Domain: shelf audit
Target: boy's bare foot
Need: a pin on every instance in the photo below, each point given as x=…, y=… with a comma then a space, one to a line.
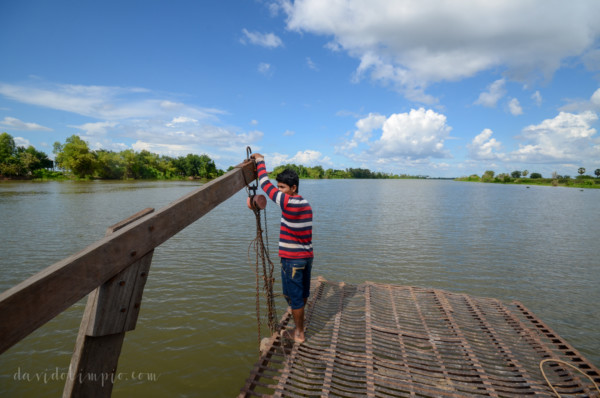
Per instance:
x=292, y=334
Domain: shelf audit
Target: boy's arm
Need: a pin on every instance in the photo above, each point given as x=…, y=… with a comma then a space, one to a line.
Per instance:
x=263, y=178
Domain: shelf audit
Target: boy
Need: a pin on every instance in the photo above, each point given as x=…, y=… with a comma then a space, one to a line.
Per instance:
x=295, y=241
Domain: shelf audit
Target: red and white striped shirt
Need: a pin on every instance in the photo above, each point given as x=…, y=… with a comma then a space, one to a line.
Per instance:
x=295, y=233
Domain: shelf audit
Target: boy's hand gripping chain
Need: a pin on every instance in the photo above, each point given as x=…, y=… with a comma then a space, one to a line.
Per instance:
x=254, y=201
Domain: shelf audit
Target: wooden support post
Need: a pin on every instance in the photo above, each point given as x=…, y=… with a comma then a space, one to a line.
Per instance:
x=112, y=309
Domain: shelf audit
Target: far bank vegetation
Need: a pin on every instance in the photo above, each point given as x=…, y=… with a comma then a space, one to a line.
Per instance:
x=524, y=177
x=74, y=159
x=318, y=172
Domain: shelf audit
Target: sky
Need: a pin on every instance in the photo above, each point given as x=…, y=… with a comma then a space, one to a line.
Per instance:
x=443, y=88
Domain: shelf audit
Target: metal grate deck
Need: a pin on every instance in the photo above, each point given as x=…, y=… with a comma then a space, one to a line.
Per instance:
x=379, y=340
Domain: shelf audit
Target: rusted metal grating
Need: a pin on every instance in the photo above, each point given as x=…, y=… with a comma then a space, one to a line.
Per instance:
x=379, y=340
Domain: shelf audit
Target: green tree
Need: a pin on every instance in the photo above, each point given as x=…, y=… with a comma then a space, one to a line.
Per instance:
x=9, y=165
x=525, y=172
x=210, y=169
x=360, y=173
x=581, y=171
x=516, y=174
x=75, y=156
x=7, y=147
x=300, y=170
x=194, y=166
x=488, y=176
x=147, y=165
x=535, y=175
x=503, y=177
x=166, y=167
x=331, y=173
x=316, y=172
x=32, y=159
x=27, y=161
x=129, y=162
x=597, y=172
x=18, y=160
x=201, y=166
x=110, y=165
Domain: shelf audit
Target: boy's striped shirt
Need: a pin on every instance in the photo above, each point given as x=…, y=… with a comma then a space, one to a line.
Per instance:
x=295, y=233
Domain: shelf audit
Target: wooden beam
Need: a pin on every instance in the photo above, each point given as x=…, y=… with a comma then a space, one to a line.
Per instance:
x=93, y=377
x=116, y=304
x=35, y=301
x=111, y=310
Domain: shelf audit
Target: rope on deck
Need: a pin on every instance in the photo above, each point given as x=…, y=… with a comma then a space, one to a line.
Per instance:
x=379, y=340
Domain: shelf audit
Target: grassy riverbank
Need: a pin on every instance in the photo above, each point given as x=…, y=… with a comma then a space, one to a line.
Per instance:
x=581, y=182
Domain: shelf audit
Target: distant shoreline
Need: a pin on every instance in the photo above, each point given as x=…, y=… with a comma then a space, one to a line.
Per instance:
x=63, y=177
x=593, y=183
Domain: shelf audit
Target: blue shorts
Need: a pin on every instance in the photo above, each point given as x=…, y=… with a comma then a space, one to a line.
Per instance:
x=295, y=280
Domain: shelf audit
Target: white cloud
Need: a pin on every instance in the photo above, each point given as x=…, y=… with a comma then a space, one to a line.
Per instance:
x=414, y=135
x=95, y=129
x=566, y=138
x=254, y=122
x=366, y=126
x=264, y=68
x=289, y=133
x=537, y=98
x=363, y=132
x=595, y=100
x=164, y=149
x=20, y=141
x=17, y=124
x=182, y=120
x=269, y=40
x=133, y=114
x=483, y=146
x=311, y=64
x=196, y=136
x=102, y=102
x=406, y=137
x=333, y=46
x=515, y=107
x=415, y=43
x=96, y=142
x=307, y=157
x=593, y=104
x=491, y=97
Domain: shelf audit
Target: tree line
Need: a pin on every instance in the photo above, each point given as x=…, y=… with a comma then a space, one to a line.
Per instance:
x=518, y=176
x=18, y=161
x=318, y=172
x=75, y=158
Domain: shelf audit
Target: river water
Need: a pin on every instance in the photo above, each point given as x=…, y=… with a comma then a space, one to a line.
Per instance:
x=197, y=333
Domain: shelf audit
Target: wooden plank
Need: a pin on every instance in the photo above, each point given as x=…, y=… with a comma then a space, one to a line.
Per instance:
x=117, y=301
x=103, y=325
x=116, y=304
x=91, y=373
x=35, y=301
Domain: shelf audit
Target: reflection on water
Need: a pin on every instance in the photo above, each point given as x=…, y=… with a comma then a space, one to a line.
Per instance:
x=197, y=329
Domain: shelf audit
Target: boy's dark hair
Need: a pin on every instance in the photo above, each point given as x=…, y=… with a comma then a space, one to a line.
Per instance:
x=290, y=178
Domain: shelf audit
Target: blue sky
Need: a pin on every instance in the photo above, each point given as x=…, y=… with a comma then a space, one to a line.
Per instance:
x=438, y=88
